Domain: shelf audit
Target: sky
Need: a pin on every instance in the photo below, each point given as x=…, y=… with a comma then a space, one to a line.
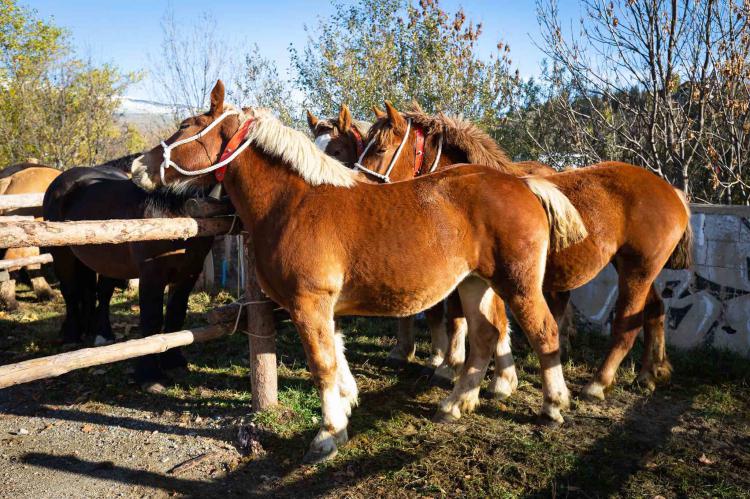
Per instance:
x=127, y=34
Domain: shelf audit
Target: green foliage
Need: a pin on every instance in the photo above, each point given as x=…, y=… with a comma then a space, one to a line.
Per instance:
x=55, y=107
x=373, y=50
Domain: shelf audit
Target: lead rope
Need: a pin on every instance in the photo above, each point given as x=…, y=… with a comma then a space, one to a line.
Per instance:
x=387, y=176
x=439, y=153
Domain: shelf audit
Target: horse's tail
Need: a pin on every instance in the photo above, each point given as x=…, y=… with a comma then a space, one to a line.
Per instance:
x=682, y=256
x=566, y=224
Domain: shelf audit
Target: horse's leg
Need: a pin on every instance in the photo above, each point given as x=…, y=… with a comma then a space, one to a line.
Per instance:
x=534, y=317
x=105, y=288
x=456, y=332
x=405, y=347
x=177, y=305
x=504, y=380
x=39, y=284
x=313, y=317
x=559, y=305
x=344, y=379
x=477, y=301
x=655, y=365
x=634, y=284
x=65, y=265
x=151, y=287
x=435, y=316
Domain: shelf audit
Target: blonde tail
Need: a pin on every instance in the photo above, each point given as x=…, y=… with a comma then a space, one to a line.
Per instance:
x=566, y=225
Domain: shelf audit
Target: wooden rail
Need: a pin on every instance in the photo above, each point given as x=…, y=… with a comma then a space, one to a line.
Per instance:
x=23, y=262
x=13, y=201
x=20, y=234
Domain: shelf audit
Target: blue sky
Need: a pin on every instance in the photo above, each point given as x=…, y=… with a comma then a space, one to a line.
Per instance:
x=124, y=33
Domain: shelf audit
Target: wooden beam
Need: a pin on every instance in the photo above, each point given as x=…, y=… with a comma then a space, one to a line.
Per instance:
x=13, y=201
x=55, y=365
x=21, y=234
x=23, y=262
x=16, y=218
x=262, y=337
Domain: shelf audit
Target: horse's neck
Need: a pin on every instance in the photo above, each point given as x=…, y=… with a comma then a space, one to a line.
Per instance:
x=259, y=186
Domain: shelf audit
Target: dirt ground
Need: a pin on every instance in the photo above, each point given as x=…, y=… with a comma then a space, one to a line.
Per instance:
x=92, y=433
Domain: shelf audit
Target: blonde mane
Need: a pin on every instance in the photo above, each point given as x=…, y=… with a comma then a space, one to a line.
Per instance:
x=478, y=146
x=296, y=150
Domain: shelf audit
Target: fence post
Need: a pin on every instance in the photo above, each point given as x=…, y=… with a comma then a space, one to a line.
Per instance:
x=262, y=339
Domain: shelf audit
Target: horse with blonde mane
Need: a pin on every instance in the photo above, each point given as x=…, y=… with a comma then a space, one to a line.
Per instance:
x=328, y=245
x=635, y=220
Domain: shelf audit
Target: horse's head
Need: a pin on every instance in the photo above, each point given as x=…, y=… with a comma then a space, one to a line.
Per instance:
x=391, y=152
x=196, y=146
x=337, y=137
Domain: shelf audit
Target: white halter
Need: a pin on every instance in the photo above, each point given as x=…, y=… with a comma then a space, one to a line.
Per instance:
x=387, y=176
x=167, y=162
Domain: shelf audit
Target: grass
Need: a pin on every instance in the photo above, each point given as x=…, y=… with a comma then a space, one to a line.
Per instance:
x=690, y=438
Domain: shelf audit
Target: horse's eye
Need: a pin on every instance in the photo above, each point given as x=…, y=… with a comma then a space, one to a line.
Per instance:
x=184, y=125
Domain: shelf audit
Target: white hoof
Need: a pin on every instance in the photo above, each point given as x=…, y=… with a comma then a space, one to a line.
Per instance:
x=101, y=340
x=325, y=446
x=502, y=388
x=445, y=372
x=435, y=361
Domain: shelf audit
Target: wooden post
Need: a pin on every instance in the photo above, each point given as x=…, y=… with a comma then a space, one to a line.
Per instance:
x=21, y=234
x=262, y=337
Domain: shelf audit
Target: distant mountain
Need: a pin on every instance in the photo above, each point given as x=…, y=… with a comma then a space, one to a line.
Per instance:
x=130, y=106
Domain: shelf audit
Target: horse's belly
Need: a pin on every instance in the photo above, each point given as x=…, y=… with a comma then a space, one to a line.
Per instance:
x=110, y=260
x=397, y=299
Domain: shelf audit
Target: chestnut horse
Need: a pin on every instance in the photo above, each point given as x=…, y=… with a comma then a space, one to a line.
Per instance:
x=464, y=143
x=25, y=178
x=635, y=220
x=343, y=138
x=106, y=193
x=327, y=245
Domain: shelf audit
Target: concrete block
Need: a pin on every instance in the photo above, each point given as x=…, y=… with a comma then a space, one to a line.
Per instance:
x=721, y=227
x=745, y=229
x=703, y=311
x=596, y=299
x=728, y=254
x=734, y=333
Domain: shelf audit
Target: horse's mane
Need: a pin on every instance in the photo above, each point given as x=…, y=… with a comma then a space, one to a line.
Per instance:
x=296, y=150
x=457, y=132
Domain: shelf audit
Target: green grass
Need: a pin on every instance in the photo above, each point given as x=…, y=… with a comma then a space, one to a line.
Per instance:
x=633, y=445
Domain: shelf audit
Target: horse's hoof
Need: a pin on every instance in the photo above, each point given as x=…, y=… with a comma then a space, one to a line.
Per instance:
x=101, y=341
x=593, y=392
x=442, y=417
x=441, y=382
x=427, y=372
x=153, y=387
x=318, y=456
x=549, y=421
x=396, y=363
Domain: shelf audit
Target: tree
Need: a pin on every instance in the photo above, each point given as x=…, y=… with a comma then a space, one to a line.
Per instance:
x=661, y=83
x=374, y=50
x=54, y=107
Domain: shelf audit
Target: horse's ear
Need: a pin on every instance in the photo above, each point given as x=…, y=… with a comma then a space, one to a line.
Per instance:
x=217, y=99
x=345, y=118
x=397, y=121
x=312, y=121
x=379, y=113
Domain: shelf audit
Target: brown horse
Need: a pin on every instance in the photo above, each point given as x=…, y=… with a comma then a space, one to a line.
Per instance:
x=327, y=245
x=635, y=220
x=25, y=178
x=343, y=138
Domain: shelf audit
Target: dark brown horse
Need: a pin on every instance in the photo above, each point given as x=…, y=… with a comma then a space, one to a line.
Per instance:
x=24, y=178
x=328, y=245
x=636, y=221
x=104, y=193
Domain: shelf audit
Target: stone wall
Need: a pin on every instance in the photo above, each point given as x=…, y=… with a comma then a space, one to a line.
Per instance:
x=706, y=306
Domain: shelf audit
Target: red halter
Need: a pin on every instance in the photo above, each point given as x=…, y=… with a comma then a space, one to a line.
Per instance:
x=418, y=150
x=232, y=146
x=360, y=142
